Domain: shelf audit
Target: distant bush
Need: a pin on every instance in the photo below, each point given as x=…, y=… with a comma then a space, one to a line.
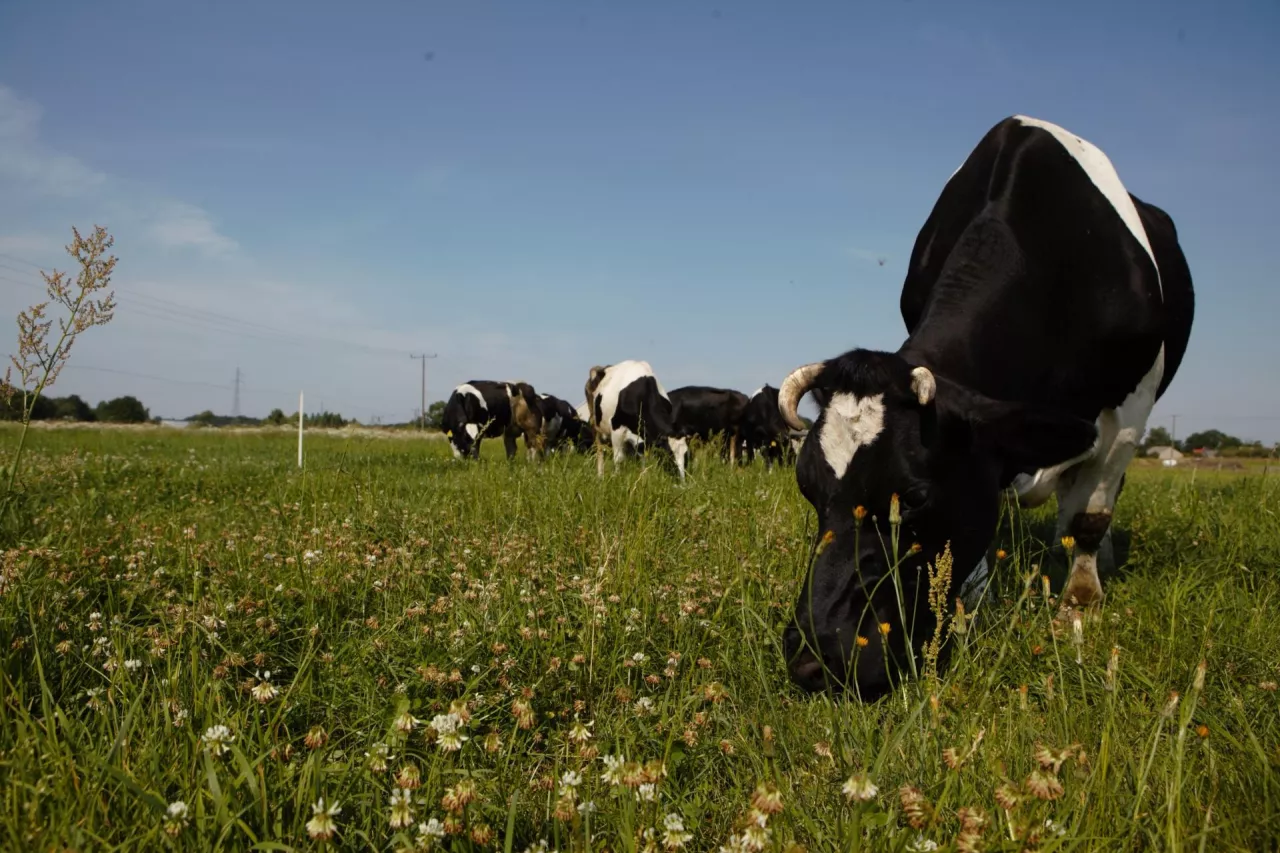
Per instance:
x=123, y=410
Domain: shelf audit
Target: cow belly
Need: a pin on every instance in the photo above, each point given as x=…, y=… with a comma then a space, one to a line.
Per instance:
x=1119, y=432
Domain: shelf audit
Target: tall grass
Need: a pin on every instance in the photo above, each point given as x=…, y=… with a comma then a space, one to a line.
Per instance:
x=351, y=624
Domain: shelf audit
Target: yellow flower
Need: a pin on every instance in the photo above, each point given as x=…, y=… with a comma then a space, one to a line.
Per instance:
x=895, y=511
x=859, y=512
x=861, y=641
x=884, y=628
x=1068, y=542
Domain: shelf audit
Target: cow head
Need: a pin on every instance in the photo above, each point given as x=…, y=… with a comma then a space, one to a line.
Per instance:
x=895, y=440
x=462, y=439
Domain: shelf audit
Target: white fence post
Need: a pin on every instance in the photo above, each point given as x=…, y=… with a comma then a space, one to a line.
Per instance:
x=300, y=429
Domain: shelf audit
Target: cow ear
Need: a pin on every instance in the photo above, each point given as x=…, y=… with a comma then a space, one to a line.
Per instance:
x=1030, y=436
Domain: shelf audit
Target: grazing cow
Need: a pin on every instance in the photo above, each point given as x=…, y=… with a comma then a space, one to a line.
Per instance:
x=561, y=426
x=764, y=431
x=630, y=408
x=1047, y=309
x=482, y=409
x=705, y=412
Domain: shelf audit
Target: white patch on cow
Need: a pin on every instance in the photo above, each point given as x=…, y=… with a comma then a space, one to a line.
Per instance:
x=457, y=454
x=680, y=450
x=467, y=388
x=1103, y=174
x=849, y=423
x=616, y=378
x=1093, y=486
x=552, y=427
x=584, y=412
x=472, y=430
x=974, y=585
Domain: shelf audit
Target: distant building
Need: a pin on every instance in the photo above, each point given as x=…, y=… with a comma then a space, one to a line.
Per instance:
x=1165, y=453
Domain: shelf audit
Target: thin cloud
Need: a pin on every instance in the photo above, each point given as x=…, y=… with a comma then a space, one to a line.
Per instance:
x=181, y=226
x=24, y=159
x=31, y=165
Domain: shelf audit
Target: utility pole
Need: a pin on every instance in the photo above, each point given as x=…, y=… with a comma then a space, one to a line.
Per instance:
x=1174, y=434
x=235, y=400
x=422, y=413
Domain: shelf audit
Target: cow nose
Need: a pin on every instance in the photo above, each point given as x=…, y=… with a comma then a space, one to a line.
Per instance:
x=806, y=671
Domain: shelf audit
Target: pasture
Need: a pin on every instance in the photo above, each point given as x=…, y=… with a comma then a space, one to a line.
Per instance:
x=502, y=656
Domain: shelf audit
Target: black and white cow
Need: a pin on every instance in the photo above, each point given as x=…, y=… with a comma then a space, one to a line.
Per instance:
x=630, y=409
x=561, y=426
x=763, y=430
x=707, y=412
x=482, y=409
x=1047, y=309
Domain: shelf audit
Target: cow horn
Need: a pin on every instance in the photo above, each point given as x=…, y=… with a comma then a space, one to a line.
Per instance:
x=793, y=388
x=923, y=385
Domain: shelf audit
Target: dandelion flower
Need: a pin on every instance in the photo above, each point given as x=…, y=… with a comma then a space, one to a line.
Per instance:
x=861, y=641
x=322, y=825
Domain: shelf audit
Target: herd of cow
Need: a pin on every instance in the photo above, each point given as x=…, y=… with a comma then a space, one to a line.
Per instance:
x=627, y=407
x=1046, y=308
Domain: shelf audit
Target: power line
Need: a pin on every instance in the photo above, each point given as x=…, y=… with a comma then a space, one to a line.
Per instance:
x=235, y=399
x=422, y=412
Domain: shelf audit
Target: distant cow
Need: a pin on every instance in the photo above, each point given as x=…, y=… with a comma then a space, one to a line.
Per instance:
x=482, y=409
x=1046, y=309
x=763, y=430
x=630, y=408
x=561, y=426
x=706, y=412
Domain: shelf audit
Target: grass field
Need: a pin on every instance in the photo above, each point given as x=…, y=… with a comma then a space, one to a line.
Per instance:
x=504, y=657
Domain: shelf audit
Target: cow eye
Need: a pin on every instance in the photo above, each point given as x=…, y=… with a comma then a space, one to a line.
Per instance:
x=915, y=499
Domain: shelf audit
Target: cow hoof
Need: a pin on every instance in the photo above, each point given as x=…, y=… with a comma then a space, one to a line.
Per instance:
x=1081, y=591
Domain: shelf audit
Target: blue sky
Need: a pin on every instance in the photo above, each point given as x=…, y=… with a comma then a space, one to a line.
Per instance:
x=532, y=188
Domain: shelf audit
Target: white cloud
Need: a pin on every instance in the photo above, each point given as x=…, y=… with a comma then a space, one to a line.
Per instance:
x=24, y=159
x=175, y=225
x=65, y=183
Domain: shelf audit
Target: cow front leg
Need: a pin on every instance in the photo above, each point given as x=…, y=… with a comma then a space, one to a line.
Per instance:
x=509, y=442
x=599, y=455
x=619, y=439
x=1086, y=503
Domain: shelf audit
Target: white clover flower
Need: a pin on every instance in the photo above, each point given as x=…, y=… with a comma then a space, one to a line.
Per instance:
x=647, y=792
x=217, y=738
x=401, y=808
x=860, y=788
x=920, y=844
x=640, y=657
x=132, y=664
x=431, y=829
x=322, y=825
x=674, y=835
x=571, y=779
x=612, y=774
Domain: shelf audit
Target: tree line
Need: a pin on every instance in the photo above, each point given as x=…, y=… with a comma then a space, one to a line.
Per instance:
x=121, y=410
x=1210, y=439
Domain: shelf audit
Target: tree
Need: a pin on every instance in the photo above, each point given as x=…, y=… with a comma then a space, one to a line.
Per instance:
x=1211, y=439
x=435, y=414
x=276, y=418
x=1158, y=437
x=72, y=409
x=123, y=410
x=205, y=418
